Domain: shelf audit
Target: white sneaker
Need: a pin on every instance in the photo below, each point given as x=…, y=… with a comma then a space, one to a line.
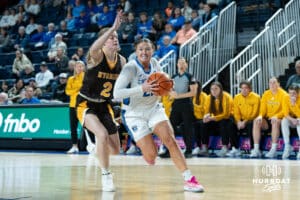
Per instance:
x=73, y=150
x=203, y=152
x=107, y=183
x=287, y=151
x=196, y=151
x=271, y=154
x=131, y=150
x=234, y=152
x=298, y=156
x=91, y=148
x=222, y=152
x=161, y=150
x=255, y=153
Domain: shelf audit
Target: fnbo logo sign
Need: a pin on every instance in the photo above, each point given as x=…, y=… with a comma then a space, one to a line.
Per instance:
x=10, y=124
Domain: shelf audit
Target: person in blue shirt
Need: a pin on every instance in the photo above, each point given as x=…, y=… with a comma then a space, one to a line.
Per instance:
x=165, y=48
x=211, y=10
x=82, y=22
x=112, y=5
x=77, y=8
x=29, y=98
x=177, y=20
x=168, y=31
x=144, y=26
x=106, y=18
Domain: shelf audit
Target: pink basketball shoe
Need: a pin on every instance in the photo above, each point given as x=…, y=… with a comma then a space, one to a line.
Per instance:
x=192, y=185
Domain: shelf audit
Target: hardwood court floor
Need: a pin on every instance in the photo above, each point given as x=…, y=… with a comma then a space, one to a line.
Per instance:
x=59, y=176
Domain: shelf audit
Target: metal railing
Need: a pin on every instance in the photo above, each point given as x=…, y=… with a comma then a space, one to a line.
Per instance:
x=211, y=49
x=168, y=63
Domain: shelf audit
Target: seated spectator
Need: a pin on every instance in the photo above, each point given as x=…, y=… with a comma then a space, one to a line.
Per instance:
x=77, y=8
x=70, y=20
x=15, y=94
x=127, y=30
x=27, y=73
x=20, y=62
x=79, y=55
x=144, y=26
x=195, y=20
x=112, y=5
x=4, y=86
x=165, y=48
x=201, y=10
x=19, y=22
x=210, y=12
x=34, y=8
x=294, y=79
x=44, y=76
x=21, y=12
x=82, y=22
x=58, y=43
x=106, y=18
x=177, y=20
x=4, y=99
x=61, y=60
x=168, y=31
x=5, y=21
x=169, y=10
x=186, y=10
x=91, y=9
x=49, y=35
x=158, y=25
x=13, y=16
x=36, y=39
x=37, y=92
x=59, y=90
x=22, y=40
x=184, y=34
x=29, y=97
x=5, y=41
x=31, y=27
x=66, y=34
x=100, y=4
x=126, y=5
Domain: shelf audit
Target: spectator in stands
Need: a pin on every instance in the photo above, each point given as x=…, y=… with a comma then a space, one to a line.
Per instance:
x=16, y=93
x=27, y=73
x=127, y=30
x=77, y=8
x=126, y=5
x=47, y=36
x=185, y=89
x=74, y=84
x=158, y=25
x=91, y=9
x=70, y=20
x=21, y=12
x=34, y=8
x=20, y=22
x=112, y=5
x=59, y=91
x=245, y=110
x=291, y=110
x=29, y=97
x=177, y=20
x=100, y=4
x=144, y=26
x=65, y=33
x=106, y=18
x=20, y=63
x=294, y=79
x=210, y=12
x=169, y=9
x=31, y=27
x=269, y=117
x=82, y=22
x=37, y=92
x=5, y=41
x=13, y=16
x=61, y=60
x=5, y=21
x=186, y=10
x=201, y=10
x=22, y=39
x=44, y=76
x=184, y=34
x=79, y=55
x=195, y=20
x=199, y=110
x=168, y=31
x=4, y=99
x=217, y=117
x=4, y=86
x=165, y=48
x=58, y=43
x=71, y=67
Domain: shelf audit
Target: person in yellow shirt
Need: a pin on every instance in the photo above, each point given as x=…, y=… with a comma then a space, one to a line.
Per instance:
x=291, y=111
x=269, y=118
x=74, y=84
x=199, y=109
x=245, y=110
x=218, y=109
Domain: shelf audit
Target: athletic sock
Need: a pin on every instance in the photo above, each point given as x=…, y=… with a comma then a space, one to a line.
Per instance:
x=187, y=174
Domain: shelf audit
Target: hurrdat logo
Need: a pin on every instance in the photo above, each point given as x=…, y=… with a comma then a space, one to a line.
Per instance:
x=10, y=124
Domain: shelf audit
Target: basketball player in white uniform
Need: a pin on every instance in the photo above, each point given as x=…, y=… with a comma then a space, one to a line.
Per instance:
x=144, y=114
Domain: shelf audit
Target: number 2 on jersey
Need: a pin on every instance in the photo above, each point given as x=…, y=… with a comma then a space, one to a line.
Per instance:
x=107, y=89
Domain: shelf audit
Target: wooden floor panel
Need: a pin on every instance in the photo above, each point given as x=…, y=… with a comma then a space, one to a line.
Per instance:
x=59, y=176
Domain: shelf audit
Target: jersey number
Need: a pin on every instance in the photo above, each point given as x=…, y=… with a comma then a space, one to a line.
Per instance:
x=107, y=89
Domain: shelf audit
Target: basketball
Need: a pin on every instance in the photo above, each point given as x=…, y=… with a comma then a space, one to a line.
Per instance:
x=165, y=84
